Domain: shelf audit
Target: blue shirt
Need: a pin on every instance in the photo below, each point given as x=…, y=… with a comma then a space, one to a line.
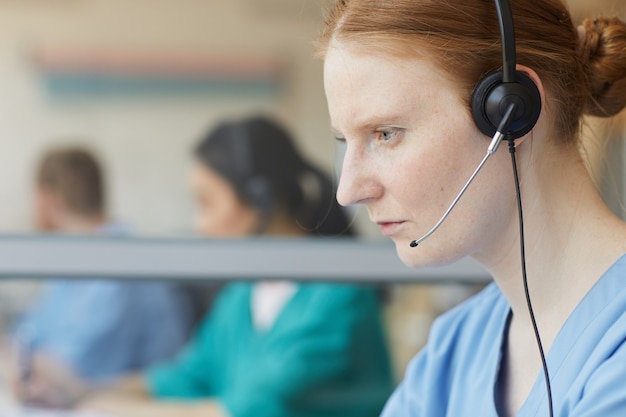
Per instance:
x=456, y=374
x=103, y=328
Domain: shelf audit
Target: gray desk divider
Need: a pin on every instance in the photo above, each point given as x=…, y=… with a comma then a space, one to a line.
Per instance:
x=49, y=256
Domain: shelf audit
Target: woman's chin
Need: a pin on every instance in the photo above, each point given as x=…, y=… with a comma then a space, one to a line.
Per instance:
x=416, y=257
x=411, y=257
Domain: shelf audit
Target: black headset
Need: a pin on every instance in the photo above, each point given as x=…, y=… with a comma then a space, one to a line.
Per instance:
x=491, y=100
x=255, y=189
x=498, y=90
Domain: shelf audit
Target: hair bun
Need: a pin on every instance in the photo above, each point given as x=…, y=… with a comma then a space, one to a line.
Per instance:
x=603, y=53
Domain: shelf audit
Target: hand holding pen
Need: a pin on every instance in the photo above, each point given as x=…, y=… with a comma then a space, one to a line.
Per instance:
x=25, y=346
x=42, y=381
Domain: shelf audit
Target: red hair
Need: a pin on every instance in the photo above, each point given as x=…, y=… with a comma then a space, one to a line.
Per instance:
x=581, y=74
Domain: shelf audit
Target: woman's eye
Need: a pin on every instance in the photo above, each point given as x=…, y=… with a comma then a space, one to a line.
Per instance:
x=386, y=135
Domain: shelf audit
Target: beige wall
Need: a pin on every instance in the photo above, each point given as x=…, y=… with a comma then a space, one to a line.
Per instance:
x=581, y=9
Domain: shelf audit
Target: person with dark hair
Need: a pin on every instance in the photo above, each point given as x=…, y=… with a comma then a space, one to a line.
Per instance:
x=260, y=162
x=271, y=348
x=417, y=89
x=93, y=330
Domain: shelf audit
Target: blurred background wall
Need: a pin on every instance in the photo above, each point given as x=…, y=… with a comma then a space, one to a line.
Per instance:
x=71, y=70
x=62, y=63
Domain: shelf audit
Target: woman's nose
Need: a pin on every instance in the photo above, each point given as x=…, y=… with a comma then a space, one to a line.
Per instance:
x=358, y=183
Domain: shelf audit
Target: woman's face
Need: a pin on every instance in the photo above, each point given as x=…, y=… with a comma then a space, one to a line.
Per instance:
x=220, y=211
x=410, y=147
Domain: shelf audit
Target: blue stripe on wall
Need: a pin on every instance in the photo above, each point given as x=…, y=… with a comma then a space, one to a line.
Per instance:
x=84, y=85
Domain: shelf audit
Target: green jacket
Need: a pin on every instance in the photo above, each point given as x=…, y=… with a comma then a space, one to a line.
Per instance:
x=324, y=356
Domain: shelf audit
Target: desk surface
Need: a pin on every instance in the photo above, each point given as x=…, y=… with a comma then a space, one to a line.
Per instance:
x=31, y=412
x=10, y=408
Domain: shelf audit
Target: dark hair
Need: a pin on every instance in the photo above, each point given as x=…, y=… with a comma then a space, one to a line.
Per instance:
x=259, y=159
x=76, y=176
x=582, y=73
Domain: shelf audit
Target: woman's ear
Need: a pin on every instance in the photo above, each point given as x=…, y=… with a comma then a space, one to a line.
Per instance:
x=532, y=75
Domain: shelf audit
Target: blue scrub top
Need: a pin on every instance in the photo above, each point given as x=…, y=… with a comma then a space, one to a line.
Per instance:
x=456, y=374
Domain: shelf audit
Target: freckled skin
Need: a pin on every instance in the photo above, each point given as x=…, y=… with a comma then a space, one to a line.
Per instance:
x=412, y=174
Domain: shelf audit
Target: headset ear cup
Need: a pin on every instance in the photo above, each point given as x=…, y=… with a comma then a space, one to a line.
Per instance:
x=491, y=98
x=259, y=193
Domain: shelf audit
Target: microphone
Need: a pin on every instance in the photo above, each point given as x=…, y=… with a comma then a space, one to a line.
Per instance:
x=491, y=149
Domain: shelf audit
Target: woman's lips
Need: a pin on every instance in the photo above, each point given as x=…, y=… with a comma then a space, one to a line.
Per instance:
x=390, y=228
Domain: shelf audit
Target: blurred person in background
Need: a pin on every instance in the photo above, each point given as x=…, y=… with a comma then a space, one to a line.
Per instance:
x=267, y=348
x=97, y=329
